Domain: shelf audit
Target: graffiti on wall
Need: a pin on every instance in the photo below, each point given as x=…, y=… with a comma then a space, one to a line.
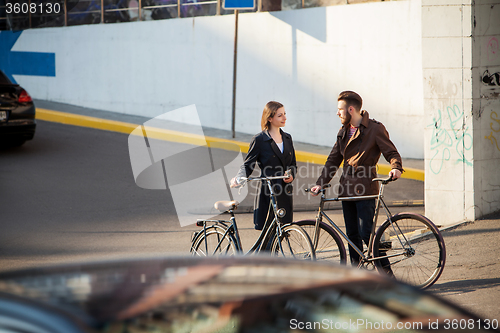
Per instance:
x=495, y=128
x=492, y=48
x=449, y=142
x=490, y=82
x=491, y=79
x=490, y=90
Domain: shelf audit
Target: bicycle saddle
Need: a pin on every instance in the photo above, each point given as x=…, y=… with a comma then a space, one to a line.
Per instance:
x=224, y=206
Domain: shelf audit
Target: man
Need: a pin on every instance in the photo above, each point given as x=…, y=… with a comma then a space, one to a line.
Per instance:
x=359, y=144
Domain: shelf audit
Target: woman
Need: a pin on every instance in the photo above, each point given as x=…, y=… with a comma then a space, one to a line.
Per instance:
x=272, y=150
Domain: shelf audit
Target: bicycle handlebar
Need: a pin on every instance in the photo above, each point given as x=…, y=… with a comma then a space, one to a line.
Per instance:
x=264, y=178
x=322, y=189
x=384, y=181
x=244, y=180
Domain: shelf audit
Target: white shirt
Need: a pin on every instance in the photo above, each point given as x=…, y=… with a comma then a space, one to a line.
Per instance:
x=280, y=146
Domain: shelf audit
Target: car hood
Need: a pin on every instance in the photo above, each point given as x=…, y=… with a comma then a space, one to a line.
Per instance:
x=229, y=294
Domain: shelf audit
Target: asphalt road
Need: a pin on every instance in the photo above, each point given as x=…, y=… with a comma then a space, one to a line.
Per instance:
x=69, y=195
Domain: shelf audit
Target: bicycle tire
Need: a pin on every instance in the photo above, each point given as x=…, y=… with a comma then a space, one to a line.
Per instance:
x=330, y=247
x=294, y=243
x=206, y=243
x=422, y=249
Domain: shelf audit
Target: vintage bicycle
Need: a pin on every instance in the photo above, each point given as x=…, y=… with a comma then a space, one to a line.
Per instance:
x=221, y=237
x=411, y=242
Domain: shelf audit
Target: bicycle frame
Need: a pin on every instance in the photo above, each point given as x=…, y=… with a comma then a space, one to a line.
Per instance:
x=380, y=201
x=267, y=231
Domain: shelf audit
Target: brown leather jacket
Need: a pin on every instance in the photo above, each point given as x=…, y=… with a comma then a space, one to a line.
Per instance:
x=360, y=154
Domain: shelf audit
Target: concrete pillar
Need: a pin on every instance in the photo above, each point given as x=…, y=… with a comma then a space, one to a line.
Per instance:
x=461, y=68
x=486, y=105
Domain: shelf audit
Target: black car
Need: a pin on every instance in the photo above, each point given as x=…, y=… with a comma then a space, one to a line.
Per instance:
x=17, y=113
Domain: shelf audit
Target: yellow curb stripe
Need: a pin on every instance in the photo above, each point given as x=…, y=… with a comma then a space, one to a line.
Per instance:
x=84, y=121
x=303, y=156
x=410, y=173
x=408, y=202
x=187, y=138
x=128, y=128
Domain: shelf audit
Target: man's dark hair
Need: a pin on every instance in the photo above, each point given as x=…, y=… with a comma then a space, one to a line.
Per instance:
x=351, y=99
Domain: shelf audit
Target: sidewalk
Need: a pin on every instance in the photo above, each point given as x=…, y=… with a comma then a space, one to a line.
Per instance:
x=471, y=275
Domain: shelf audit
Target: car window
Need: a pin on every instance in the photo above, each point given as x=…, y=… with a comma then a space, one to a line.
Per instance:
x=4, y=79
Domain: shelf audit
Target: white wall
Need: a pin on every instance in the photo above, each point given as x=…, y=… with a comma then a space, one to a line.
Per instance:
x=302, y=58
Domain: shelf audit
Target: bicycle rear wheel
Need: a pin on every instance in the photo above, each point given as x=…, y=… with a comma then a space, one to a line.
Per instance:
x=329, y=246
x=414, y=247
x=293, y=243
x=214, y=241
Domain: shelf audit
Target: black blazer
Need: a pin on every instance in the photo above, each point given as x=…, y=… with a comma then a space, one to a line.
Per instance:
x=264, y=152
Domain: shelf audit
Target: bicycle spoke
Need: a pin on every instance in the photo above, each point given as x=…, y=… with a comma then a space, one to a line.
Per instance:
x=214, y=241
x=329, y=247
x=419, y=244
x=294, y=243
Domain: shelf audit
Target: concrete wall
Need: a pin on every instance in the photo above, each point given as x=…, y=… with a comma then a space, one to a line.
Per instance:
x=486, y=105
x=462, y=126
x=302, y=58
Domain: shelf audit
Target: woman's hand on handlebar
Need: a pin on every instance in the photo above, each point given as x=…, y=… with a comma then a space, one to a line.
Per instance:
x=235, y=183
x=289, y=179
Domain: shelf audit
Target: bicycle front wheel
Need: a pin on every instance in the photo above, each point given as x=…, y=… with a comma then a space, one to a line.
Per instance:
x=214, y=241
x=414, y=248
x=293, y=243
x=329, y=246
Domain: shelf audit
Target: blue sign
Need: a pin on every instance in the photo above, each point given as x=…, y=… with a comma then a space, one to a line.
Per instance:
x=24, y=63
x=239, y=4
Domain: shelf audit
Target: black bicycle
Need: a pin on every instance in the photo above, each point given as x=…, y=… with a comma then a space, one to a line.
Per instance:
x=221, y=237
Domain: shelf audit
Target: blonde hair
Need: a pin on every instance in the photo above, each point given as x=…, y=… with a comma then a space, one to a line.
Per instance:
x=269, y=112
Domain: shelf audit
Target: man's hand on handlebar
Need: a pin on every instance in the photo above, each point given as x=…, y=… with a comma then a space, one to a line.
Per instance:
x=315, y=190
x=395, y=174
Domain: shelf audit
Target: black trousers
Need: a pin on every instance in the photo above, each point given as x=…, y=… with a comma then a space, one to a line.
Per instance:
x=358, y=218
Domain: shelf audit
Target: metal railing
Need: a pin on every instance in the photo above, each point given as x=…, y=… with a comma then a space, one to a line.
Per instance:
x=27, y=14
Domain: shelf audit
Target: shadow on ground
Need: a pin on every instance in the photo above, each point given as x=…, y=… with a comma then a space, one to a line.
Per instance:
x=464, y=286
x=459, y=232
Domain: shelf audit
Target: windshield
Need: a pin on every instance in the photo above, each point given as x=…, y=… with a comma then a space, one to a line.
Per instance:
x=4, y=79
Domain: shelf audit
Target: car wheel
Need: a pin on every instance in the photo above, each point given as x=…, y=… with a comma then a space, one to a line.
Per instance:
x=13, y=143
x=18, y=143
